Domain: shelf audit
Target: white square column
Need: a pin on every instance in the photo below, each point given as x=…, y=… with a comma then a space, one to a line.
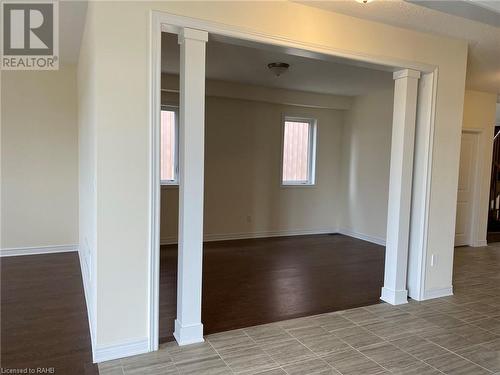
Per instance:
x=400, y=186
x=188, y=327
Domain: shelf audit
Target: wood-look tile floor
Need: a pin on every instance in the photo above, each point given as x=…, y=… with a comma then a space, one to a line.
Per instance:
x=456, y=335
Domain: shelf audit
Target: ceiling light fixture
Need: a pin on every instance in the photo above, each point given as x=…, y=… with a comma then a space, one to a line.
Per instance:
x=364, y=1
x=278, y=68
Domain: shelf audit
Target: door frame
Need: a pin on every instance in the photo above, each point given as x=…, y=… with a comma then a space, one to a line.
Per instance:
x=166, y=22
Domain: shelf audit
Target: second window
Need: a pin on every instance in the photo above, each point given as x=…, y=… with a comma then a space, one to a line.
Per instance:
x=299, y=151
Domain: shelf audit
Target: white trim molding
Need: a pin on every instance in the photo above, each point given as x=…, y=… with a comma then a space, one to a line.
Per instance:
x=422, y=176
x=154, y=175
x=406, y=73
x=191, y=183
x=187, y=335
x=121, y=350
x=437, y=293
x=480, y=243
x=249, y=235
x=394, y=297
x=37, y=250
x=88, y=300
x=399, y=210
x=361, y=236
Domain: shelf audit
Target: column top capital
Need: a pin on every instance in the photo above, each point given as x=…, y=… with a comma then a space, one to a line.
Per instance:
x=406, y=73
x=186, y=33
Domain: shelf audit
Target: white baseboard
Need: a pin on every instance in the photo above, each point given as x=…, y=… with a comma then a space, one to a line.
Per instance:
x=87, y=291
x=263, y=234
x=437, y=293
x=394, y=297
x=480, y=243
x=360, y=236
x=121, y=350
x=17, y=251
x=187, y=335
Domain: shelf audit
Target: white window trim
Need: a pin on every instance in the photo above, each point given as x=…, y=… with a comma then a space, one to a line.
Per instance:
x=175, y=182
x=313, y=134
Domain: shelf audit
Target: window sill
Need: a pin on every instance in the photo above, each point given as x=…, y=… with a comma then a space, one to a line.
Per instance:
x=297, y=185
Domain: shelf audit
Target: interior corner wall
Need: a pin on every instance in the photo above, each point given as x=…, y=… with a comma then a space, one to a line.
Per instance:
x=39, y=157
x=243, y=193
x=366, y=155
x=87, y=149
x=479, y=113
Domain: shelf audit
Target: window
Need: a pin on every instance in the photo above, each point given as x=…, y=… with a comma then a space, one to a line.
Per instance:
x=169, y=150
x=299, y=151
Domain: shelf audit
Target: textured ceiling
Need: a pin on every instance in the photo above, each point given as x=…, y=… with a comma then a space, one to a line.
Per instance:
x=483, y=71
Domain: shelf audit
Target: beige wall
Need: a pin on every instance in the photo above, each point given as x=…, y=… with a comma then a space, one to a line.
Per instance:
x=243, y=196
x=88, y=88
x=39, y=158
x=122, y=135
x=479, y=113
x=366, y=158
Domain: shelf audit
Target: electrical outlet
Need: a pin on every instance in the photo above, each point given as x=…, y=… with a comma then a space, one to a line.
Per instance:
x=433, y=260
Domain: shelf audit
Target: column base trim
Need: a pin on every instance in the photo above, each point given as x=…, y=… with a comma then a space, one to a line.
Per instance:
x=394, y=297
x=190, y=334
x=479, y=243
x=438, y=293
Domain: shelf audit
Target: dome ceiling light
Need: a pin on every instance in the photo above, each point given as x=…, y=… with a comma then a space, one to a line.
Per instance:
x=278, y=68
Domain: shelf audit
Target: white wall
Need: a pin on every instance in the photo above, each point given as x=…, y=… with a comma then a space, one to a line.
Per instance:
x=243, y=196
x=39, y=153
x=87, y=90
x=479, y=113
x=366, y=154
x=122, y=133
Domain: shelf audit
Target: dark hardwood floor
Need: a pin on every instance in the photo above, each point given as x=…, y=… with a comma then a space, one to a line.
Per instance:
x=493, y=237
x=257, y=281
x=43, y=315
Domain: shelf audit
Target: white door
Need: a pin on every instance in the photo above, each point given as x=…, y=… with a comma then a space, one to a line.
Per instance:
x=467, y=173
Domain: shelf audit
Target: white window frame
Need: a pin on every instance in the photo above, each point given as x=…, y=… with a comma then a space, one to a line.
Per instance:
x=313, y=132
x=174, y=182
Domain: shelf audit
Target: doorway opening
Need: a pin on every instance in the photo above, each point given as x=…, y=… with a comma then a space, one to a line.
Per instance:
x=494, y=202
x=278, y=176
x=414, y=122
